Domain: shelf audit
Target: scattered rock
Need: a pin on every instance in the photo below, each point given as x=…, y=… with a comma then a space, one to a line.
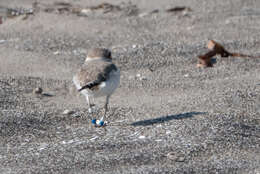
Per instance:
x=68, y=8
x=130, y=9
x=94, y=138
x=17, y=12
x=38, y=90
x=168, y=132
x=43, y=146
x=62, y=7
x=66, y=4
x=56, y=53
x=141, y=137
x=67, y=112
x=143, y=78
x=148, y=13
x=171, y=156
x=175, y=157
x=2, y=41
x=84, y=12
x=140, y=77
x=154, y=11
x=47, y=95
x=6, y=13
x=106, y=7
x=178, y=9
x=141, y=15
x=180, y=159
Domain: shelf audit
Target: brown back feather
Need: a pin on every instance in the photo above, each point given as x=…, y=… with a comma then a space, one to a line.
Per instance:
x=93, y=72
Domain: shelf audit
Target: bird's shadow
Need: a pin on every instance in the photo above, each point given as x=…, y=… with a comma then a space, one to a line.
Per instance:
x=167, y=118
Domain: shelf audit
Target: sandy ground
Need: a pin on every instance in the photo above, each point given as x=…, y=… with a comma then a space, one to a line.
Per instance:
x=167, y=116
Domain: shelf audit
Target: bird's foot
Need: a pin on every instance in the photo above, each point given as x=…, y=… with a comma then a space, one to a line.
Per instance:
x=99, y=123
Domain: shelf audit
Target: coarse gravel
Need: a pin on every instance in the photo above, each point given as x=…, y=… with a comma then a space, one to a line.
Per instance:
x=167, y=116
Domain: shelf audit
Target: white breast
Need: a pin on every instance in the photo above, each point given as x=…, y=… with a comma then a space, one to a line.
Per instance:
x=109, y=86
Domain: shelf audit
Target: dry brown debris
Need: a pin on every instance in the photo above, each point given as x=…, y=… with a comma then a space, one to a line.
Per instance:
x=213, y=45
x=217, y=49
x=62, y=7
x=206, y=59
x=6, y=13
x=179, y=9
x=106, y=7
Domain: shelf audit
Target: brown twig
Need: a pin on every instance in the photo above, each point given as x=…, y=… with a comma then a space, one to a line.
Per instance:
x=178, y=9
x=206, y=59
x=219, y=49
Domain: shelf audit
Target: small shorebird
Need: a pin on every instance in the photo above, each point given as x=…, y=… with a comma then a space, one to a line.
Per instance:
x=97, y=77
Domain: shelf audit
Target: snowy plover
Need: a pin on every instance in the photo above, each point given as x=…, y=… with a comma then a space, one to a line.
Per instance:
x=97, y=77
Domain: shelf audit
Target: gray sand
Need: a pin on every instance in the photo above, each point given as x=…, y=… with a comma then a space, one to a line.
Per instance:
x=168, y=116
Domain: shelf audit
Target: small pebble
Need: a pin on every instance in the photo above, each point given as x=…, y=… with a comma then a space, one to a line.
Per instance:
x=94, y=138
x=85, y=12
x=180, y=159
x=171, y=156
x=141, y=15
x=159, y=125
x=2, y=41
x=143, y=78
x=148, y=13
x=47, y=94
x=30, y=11
x=141, y=137
x=37, y=90
x=168, y=132
x=56, y=53
x=185, y=13
x=155, y=11
x=67, y=112
x=175, y=157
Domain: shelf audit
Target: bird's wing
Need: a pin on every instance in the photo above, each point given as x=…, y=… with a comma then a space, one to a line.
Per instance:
x=91, y=76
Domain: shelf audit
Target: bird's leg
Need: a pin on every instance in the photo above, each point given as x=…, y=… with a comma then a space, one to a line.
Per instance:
x=106, y=108
x=90, y=105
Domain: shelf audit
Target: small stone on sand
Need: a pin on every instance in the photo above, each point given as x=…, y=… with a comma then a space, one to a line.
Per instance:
x=37, y=90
